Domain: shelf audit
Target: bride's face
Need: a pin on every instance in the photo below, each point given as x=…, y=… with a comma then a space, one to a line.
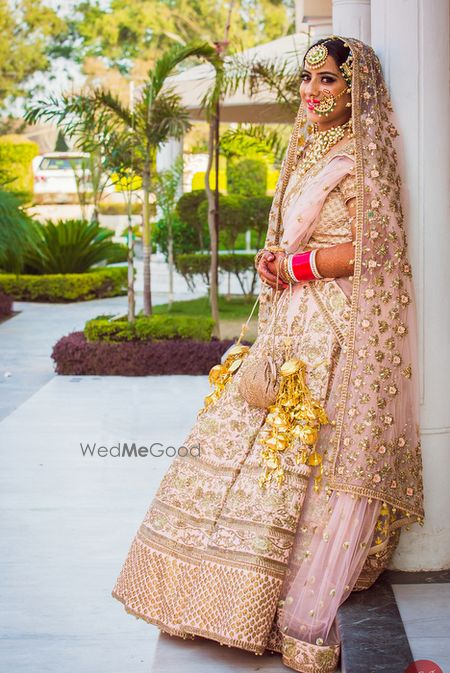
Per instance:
x=316, y=83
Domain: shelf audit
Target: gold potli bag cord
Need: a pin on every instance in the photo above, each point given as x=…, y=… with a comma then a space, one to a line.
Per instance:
x=220, y=375
x=295, y=416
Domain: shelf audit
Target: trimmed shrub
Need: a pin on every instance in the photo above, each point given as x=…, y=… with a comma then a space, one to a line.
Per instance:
x=16, y=155
x=105, y=282
x=194, y=229
x=191, y=265
x=75, y=356
x=6, y=305
x=233, y=218
x=247, y=177
x=185, y=237
x=148, y=328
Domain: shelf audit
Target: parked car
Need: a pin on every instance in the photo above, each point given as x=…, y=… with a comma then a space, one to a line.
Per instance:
x=55, y=176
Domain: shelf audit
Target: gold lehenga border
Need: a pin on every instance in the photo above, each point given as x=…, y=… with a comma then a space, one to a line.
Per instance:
x=223, y=640
x=308, y=658
x=155, y=622
x=193, y=634
x=242, y=560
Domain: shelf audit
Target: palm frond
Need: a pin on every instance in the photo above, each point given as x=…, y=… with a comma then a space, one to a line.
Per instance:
x=168, y=118
x=165, y=65
x=256, y=138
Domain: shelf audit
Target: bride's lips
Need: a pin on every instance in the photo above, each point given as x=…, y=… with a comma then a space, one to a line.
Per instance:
x=312, y=102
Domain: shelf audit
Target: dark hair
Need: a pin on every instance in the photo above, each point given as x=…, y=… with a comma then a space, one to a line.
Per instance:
x=335, y=48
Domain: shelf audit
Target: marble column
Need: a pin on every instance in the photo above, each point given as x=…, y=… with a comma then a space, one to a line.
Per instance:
x=351, y=18
x=411, y=38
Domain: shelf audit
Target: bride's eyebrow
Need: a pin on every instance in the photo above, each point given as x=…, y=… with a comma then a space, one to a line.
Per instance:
x=320, y=72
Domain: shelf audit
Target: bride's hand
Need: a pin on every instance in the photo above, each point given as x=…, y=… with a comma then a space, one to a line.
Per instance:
x=267, y=270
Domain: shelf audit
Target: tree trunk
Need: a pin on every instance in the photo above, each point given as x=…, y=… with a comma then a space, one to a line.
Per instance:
x=170, y=259
x=130, y=260
x=146, y=237
x=213, y=275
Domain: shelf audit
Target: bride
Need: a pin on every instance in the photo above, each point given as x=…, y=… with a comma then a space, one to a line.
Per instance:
x=310, y=457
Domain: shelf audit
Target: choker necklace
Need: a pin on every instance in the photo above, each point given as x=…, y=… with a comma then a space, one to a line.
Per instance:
x=319, y=142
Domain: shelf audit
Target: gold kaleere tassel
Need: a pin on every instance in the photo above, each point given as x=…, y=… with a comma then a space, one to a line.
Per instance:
x=220, y=375
x=295, y=415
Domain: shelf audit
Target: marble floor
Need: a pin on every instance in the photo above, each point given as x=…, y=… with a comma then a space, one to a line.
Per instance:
x=68, y=517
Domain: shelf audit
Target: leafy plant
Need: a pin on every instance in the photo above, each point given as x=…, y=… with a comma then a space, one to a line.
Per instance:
x=233, y=218
x=247, y=177
x=18, y=231
x=72, y=246
x=187, y=209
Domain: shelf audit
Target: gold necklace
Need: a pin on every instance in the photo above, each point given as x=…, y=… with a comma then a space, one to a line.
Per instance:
x=318, y=145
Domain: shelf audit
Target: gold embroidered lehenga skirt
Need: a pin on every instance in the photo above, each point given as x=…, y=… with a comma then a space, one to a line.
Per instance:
x=211, y=554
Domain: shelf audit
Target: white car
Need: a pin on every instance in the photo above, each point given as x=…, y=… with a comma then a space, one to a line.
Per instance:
x=55, y=176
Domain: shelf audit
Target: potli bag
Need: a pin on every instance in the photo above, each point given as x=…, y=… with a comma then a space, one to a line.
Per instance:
x=293, y=413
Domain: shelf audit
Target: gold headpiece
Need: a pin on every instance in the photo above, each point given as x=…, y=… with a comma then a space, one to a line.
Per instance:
x=318, y=54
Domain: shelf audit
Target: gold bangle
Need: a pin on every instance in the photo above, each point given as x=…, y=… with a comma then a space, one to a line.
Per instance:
x=258, y=256
x=284, y=273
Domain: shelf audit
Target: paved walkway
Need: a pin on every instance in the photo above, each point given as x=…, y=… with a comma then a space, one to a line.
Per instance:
x=68, y=518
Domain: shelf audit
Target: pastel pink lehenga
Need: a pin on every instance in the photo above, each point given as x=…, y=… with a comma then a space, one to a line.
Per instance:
x=218, y=557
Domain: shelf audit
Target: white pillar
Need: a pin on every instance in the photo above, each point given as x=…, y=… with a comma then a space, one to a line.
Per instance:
x=351, y=18
x=168, y=153
x=411, y=38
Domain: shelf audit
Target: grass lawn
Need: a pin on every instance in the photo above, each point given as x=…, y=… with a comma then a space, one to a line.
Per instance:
x=236, y=307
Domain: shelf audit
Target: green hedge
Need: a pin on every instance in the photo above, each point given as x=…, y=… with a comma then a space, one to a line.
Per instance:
x=102, y=282
x=191, y=265
x=247, y=177
x=16, y=155
x=149, y=328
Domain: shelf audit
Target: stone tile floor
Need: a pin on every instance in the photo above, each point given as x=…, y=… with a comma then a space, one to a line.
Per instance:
x=68, y=518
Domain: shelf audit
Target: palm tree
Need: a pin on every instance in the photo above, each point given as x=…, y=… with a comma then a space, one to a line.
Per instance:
x=158, y=115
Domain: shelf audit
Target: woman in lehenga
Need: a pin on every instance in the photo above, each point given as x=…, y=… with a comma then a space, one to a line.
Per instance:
x=292, y=504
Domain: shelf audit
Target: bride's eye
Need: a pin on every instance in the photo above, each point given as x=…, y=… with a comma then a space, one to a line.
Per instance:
x=328, y=80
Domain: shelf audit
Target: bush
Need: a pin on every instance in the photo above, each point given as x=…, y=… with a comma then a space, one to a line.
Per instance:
x=16, y=155
x=191, y=265
x=148, y=328
x=6, y=305
x=75, y=356
x=72, y=246
x=185, y=237
x=106, y=282
x=187, y=210
x=233, y=218
x=247, y=177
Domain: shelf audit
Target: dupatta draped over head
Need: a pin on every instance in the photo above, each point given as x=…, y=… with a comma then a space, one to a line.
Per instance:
x=375, y=440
